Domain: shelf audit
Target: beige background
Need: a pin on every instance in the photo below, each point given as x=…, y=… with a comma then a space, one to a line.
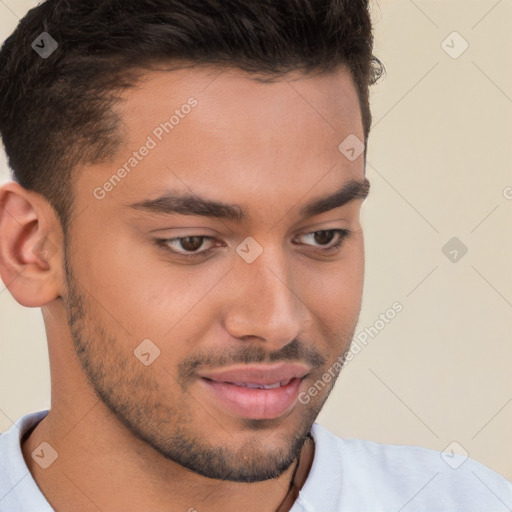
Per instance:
x=439, y=161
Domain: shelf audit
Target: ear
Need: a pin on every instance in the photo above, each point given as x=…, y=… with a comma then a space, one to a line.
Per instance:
x=30, y=246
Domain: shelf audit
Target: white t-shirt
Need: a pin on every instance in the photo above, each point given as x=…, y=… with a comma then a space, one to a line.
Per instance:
x=347, y=475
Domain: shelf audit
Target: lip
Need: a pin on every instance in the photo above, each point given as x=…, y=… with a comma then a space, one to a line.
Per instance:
x=258, y=374
x=255, y=403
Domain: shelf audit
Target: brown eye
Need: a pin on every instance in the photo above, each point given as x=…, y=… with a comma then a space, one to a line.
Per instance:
x=191, y=243
x=187, y=246
x=322, y=239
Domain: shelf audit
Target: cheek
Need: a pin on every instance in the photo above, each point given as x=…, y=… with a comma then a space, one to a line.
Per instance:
x=334, y=289
x=137, y=287
x=148, y=297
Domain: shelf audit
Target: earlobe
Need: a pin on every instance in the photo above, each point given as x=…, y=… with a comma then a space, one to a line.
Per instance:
x=29, y=238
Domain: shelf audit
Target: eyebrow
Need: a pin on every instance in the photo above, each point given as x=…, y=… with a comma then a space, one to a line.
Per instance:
x=191, y=204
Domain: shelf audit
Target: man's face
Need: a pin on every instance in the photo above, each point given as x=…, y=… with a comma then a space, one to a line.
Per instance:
x=150, y=323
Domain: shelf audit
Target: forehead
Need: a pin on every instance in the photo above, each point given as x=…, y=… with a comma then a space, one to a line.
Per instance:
x=234, y=107
x=219, y=132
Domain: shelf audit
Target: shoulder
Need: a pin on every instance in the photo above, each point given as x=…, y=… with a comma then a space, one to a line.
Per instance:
x=422, y=478
x=18, y=490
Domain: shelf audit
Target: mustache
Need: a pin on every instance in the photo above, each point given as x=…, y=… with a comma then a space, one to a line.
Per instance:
x=295, y=351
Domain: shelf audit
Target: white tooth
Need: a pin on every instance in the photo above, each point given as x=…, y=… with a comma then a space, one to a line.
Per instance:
x=257, y=386
x=272, y=386
x=247, y=385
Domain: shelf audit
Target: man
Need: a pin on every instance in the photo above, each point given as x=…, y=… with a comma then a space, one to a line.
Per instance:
x=188, y=178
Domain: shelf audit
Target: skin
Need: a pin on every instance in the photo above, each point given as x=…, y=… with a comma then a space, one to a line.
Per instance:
x=133, y=437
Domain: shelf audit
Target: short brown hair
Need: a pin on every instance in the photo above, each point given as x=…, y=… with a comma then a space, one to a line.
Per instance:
x=55, y=112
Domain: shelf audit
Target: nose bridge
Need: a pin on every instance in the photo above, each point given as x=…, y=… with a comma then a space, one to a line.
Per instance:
x=265, y=304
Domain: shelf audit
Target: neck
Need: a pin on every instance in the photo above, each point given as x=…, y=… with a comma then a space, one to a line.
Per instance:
x=97, y=454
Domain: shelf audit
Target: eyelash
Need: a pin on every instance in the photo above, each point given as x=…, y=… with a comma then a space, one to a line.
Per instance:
x=343, y=234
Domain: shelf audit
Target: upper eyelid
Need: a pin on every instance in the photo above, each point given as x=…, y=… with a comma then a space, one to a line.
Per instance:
x=210, y=237
x=340, y=232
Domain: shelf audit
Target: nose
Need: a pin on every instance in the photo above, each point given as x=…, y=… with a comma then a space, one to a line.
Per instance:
x=265, y=304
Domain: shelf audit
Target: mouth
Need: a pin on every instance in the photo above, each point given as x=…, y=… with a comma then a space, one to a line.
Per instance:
x=254, y=385
x=254, y=400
